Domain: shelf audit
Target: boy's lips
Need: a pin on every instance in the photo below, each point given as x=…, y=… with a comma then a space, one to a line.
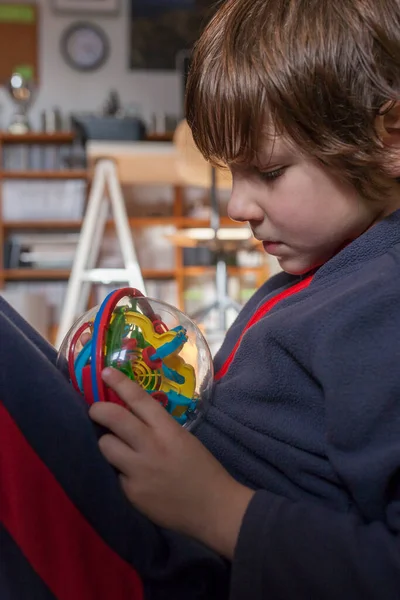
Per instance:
x=272, y=247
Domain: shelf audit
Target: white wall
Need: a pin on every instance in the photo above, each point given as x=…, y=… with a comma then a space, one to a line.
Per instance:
x=61, y=86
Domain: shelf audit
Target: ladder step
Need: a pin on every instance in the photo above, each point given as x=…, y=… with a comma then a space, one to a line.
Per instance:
x=106, y=275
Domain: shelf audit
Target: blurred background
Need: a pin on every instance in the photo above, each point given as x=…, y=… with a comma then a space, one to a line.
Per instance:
x=89, y=80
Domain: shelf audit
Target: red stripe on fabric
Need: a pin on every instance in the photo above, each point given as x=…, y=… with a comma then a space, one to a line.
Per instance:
x=65, y=551
x=261, y=312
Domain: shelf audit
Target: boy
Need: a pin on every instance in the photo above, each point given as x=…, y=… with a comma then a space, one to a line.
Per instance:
x=292, y=474
x=300, y=99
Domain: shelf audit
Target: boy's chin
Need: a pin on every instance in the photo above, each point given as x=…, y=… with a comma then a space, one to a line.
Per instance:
x=296, y=266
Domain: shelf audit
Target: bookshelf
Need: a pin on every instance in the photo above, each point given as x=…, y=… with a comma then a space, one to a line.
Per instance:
x=17, y=164
x=75, y=174
x=180, y=275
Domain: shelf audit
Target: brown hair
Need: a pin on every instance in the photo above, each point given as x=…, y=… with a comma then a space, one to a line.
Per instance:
x=317, y=70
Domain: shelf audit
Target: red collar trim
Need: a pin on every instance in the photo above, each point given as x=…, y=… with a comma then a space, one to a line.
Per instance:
x=261, y=312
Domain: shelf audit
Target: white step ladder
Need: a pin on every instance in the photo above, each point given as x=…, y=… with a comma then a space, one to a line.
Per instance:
x=106, y=191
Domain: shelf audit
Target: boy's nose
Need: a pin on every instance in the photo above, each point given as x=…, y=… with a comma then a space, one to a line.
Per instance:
x=242, y=206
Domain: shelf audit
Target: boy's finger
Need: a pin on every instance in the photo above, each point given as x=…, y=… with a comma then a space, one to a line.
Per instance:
x=118, y=454
x=140, y=402
x=120, y=421
x=85, y=337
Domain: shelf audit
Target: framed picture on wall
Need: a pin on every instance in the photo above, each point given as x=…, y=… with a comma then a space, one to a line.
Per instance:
x=161, y=29
x=92, y=7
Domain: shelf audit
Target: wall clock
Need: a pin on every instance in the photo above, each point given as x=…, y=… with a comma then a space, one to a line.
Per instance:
x=85, y=46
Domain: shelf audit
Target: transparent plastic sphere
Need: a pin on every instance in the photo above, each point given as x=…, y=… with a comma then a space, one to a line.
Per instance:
x=153, y=343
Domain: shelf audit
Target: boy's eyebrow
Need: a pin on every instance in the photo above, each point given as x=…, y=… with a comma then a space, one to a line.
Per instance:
x=274, y=155
x=273, y=151
x=261, y=165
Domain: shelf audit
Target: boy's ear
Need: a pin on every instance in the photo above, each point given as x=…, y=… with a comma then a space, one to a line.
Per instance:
x=388, y=128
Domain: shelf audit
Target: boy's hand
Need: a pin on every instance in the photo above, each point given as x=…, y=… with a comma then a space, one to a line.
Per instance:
x=166, y=472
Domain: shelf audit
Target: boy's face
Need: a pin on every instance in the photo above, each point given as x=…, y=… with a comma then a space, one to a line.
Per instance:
x=297, y=208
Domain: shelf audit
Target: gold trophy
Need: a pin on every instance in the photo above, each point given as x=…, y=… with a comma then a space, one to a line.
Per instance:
x=21, y=91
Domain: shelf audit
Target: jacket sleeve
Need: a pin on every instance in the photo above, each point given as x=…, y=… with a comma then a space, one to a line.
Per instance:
x=303, y=550
x=43, y=345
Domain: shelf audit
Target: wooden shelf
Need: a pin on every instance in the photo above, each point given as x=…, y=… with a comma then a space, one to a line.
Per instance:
x=195, y=271
x=65, y=137
x=60, y=225
x=183, y=222
x=64, y=174
x=42, y=225
x=168, y=136
x=61, y=274
x=158, y=274
x=151, y=221
x=76, y=224
x=35, y=274
x=137, y=222
x=33, y=137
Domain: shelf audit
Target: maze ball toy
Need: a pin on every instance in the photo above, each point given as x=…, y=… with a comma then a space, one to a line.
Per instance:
x=153, y=343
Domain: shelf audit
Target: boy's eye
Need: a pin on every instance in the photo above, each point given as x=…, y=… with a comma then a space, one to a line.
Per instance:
x=271, y=175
